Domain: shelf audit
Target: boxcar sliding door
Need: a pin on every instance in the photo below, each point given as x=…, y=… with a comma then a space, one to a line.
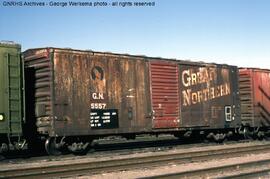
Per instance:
x=164, y=94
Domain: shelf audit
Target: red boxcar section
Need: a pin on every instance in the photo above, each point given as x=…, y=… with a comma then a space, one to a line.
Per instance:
x=261, y=80
x=255, y=96
x=165, y=94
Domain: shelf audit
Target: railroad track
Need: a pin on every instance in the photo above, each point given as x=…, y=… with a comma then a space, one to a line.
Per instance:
x=75, y=168
x=254, y=169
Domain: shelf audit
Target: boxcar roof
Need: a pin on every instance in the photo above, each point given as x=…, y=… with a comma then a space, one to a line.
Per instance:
x=142, y=57
x=9, y=44
x=255, y=69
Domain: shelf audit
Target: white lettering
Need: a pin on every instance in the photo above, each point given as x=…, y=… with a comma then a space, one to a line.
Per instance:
x=194, y=97
x=97, y=96
x=98, y=105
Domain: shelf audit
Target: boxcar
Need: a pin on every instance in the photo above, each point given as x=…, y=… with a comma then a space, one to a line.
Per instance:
x=81, y=95
x=11, y=97
x=254, y=85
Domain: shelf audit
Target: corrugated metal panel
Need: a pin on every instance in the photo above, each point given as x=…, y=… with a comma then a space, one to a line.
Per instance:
x=246, y=95
x=165, y=94
x=39, y=80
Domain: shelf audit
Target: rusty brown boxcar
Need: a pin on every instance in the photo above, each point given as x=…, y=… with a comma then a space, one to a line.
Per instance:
x=80, y=95
x=194, y=95
x=254, y=86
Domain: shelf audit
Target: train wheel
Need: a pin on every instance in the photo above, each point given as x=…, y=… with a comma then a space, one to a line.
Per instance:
x=247, y=133
x=260, y=135
x=51, y=146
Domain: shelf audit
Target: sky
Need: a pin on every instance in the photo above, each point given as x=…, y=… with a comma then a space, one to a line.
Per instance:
x=235, y=32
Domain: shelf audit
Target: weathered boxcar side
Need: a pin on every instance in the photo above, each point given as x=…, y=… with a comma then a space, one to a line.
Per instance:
x=81, y=92
x=209, y=95
x=11, y=97
x=194, y=95
x=80, y=95
x=254, y=85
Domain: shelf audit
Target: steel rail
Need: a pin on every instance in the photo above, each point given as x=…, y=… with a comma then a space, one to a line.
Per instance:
x=211, y=171
x=251, y=174
x=90, y=167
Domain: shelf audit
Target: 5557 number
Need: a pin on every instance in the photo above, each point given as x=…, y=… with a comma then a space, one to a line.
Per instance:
x=98, y=105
